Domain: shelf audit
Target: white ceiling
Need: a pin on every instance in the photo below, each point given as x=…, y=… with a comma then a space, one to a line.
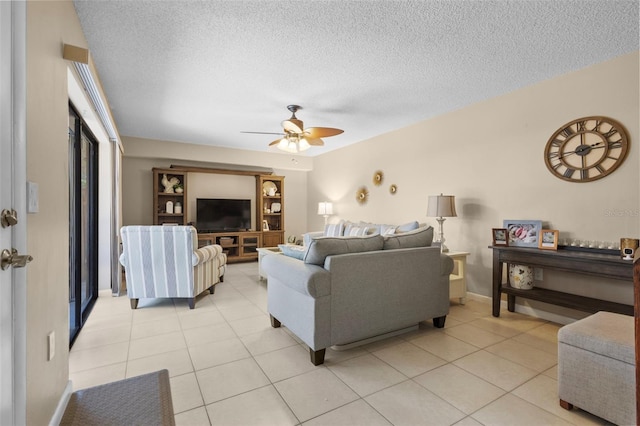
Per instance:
x=203, y=71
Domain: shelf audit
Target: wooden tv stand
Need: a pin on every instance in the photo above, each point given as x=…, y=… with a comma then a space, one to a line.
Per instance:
x=239, y=246
x=580, y=262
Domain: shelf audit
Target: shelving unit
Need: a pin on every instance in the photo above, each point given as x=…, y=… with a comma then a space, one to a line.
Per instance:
x=160, y=198
x=270, y=209
x=239, y=246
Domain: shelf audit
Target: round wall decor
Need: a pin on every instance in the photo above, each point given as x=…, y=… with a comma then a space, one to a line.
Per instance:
x=586, y=149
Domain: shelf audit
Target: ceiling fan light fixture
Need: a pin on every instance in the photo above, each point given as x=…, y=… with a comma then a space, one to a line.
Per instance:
x=303, y=145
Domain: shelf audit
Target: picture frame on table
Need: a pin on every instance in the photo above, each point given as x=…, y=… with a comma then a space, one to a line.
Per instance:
x=548, y=239
x=523, y=233
x=500, y=237
x=265, y=225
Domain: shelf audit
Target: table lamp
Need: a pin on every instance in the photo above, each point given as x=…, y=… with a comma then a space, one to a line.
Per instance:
x=441, y=207
x=325, y=209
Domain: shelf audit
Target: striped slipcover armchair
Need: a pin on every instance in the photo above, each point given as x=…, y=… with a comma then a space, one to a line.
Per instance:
x=165, y=261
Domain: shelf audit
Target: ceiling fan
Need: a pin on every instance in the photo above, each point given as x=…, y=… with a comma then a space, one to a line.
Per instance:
x=295, y=138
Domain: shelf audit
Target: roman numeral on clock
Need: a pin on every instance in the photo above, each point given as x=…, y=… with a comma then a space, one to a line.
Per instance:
x=567, y=131
x=568, y=173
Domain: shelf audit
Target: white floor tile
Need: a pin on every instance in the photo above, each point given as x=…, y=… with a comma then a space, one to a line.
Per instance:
x=227, y=380
x=312, y=394
x=229, y=366
x=410, y=404
x=262, y=406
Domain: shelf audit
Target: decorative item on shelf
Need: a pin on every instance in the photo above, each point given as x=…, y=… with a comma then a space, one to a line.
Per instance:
x=393, y=189
x=265, y=225
x=378, y=177
x=500, y=237
x=177, y=209
x=441, y=206
x=521, y=276
x=523, y=233
x=628, y=248
x=179, y=188
x=325, y=209
x=276, y=207
x=269, y=188
x=362, y=195
x=169, y=184
x=169, y=207
x=549, y=239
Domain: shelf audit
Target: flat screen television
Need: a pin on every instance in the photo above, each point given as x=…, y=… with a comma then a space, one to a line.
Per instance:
x=222, y=215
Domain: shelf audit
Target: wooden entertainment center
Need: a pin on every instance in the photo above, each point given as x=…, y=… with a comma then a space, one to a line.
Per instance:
x=240, y=245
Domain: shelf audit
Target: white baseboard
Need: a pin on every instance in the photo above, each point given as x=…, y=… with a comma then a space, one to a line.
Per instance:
x=62, y=404
x=527, y=310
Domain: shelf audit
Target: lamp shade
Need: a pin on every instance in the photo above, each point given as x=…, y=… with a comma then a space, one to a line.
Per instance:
x=325, y=208
x=441, y=206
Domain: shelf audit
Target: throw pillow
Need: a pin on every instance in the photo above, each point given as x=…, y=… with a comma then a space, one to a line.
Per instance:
x=360, y=231
x=294, y=251
x=322, y=247
x=421, y=237
x=387, y=229
x=334, y=229
x=407, y=227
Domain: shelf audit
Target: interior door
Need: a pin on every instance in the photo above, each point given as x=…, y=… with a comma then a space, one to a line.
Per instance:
x=12, y=202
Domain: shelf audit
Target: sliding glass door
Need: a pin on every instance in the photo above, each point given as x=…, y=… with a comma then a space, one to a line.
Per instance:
x=83, y=222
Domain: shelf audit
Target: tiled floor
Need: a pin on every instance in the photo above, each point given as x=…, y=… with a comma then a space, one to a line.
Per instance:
x=229, y=367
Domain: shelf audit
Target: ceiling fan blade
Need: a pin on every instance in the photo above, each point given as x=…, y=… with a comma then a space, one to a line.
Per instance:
x=264, y=133
x=322, y=132
x=277, y=141
x=314, y=141
x=293, y=125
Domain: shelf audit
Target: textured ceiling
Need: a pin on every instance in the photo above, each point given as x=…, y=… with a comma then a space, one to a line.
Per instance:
x=203, y=71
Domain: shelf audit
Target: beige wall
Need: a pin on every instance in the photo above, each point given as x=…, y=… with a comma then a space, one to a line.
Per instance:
x=49, y=25
x=490, y=156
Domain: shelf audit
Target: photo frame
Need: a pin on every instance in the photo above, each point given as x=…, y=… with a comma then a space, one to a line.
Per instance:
x=523, y=233
x=548, y=239
x=500, y=237
x=265, y=225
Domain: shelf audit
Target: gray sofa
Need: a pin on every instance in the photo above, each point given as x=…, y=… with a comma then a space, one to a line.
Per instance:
x=342, y=290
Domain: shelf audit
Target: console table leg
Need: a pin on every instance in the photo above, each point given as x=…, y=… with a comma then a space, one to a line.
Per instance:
x=497, y=283
x=511, y=302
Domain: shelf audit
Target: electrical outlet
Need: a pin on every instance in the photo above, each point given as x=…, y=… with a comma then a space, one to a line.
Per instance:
x=537, y=274
x=52, y=344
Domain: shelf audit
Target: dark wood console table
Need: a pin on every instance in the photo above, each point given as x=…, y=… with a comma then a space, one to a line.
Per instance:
x=595, y=264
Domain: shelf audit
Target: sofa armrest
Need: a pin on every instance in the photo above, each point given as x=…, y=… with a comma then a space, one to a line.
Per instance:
x=307, y=279
x=203, y=254
x=446, y=265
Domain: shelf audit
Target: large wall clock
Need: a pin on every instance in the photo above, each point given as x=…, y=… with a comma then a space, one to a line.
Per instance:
x=586, y=149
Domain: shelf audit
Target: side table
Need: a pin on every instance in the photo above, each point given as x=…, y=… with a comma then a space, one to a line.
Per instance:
x=262, y=252
x=458, y=278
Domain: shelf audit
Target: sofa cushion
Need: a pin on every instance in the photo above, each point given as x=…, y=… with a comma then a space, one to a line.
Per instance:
x=334, y=229
x=295, y=251
x=406, y=227
x=421, y=237
x=320, y=248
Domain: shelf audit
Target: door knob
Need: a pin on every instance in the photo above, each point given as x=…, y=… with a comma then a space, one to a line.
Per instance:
x=8, y=218
x=12, y=258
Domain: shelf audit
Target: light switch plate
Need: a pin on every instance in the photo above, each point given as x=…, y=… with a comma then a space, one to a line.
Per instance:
x=52, y=344
x=32, y=198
